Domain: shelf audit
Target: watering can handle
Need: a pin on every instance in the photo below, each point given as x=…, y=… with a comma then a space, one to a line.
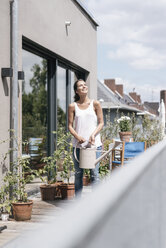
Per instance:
x=75, y=154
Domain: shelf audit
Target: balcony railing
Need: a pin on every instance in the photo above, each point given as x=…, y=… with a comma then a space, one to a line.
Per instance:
x=128, y=210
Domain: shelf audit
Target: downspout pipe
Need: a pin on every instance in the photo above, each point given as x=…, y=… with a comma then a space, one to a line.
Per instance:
x=14, y=85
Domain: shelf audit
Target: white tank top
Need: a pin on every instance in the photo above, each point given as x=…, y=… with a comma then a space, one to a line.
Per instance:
x=86, y=123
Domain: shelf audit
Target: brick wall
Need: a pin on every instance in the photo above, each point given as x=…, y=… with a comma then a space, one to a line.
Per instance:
x=110, y=84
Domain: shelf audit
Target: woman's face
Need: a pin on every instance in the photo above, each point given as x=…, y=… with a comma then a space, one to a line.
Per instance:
x=82, y=88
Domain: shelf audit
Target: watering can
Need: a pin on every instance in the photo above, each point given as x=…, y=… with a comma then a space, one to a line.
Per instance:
x=88, y=155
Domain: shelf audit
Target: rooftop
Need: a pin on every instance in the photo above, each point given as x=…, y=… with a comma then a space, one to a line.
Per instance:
x=112, y=100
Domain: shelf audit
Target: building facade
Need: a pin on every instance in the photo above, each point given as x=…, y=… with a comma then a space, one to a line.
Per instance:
x=55, y=43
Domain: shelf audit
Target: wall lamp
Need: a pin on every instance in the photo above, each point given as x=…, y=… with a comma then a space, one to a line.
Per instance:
x=67, y=23
x=20, y=75
x=8, y=72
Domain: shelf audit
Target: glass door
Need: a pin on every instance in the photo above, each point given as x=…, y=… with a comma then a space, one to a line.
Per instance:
x=34, y=106
x=61, y=98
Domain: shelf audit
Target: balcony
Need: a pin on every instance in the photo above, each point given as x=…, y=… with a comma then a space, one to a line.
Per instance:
x=127, y=210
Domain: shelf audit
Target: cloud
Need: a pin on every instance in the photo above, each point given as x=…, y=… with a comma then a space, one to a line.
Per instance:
x=135, y=31
x=139, y=56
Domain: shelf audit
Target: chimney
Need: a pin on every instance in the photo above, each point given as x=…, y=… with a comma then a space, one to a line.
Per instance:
x=110, y=84
x=133, y=95
x=139, y=99
x=163, y=96
x=119, y=89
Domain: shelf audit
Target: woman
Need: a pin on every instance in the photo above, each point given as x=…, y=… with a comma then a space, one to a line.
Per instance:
x=88, y=118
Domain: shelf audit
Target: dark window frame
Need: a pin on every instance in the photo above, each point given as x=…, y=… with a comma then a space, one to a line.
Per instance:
x=53, y=61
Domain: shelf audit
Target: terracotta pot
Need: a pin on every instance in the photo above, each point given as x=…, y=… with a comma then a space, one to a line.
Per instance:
x=47, y=192
x=125, y=136
x=86, y=180
x=22, y=210
x=58, y=189
x=39, y=166
x=67, y=190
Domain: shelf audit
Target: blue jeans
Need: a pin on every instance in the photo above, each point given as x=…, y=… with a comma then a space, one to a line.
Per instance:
x=94, y=173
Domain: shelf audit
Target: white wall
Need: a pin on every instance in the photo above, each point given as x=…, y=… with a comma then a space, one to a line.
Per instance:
x=44, y=23
x=4, y=83
x=48, y=19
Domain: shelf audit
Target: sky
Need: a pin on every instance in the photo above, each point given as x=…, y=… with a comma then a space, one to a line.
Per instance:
x=132, y=44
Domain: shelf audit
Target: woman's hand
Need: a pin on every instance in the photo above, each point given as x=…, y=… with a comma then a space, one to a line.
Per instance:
x=80, y=140
x=92, y=139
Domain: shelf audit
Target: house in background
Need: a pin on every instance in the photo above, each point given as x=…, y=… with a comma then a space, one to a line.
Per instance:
x=153, y=107
x=44, y=48
x=114, y=101
x=163, y=96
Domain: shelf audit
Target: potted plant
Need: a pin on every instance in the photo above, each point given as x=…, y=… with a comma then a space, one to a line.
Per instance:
x=5, y=203
x=17, y=198
x=67, y=166
x=49, y=188
x=53, y=163
x=21, y=205
x=86, y=177
x=125, y=126
x=13, y=192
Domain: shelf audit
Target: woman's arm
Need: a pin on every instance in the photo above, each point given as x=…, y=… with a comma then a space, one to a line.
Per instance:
x=71, y=113
x=100, y=125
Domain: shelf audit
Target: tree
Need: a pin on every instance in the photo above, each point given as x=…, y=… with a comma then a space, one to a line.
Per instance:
x=34, y=104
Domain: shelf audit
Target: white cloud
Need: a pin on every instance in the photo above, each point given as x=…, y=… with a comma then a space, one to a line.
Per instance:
x=139, y=56
x=132, y=39
x=134, y=30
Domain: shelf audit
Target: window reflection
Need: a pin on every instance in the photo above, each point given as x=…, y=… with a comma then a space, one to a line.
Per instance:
x=61, y=97
x=73, y=79
x=34, y=102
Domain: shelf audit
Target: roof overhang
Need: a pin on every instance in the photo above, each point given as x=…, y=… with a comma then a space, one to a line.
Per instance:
x=147, y=113
x=108, y=105
x=86, y=11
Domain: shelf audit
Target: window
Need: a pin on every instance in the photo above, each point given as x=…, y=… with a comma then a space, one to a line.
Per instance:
x=34, y=99
x=61, y=97
x=47, y=91
x=73, y=79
